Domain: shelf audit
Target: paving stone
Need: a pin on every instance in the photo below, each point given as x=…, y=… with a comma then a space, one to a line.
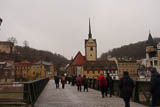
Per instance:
x=70, y=97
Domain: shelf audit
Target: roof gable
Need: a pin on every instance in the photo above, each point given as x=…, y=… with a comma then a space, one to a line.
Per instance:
x=78, y=60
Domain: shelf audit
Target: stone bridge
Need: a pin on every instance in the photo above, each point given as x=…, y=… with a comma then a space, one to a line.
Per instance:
x=70, y=97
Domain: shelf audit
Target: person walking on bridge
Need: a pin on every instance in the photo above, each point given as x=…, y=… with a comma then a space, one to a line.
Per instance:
x=155, y=86
x=57, y=81
x=85, y=83
x=79, y=82
x=110, y=85
x=102, y=82
x=63, y=81
x=126, y=86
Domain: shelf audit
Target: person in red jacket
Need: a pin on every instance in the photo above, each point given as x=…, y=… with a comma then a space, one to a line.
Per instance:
x=79, y=82
x=63, y=81
x=102, y=82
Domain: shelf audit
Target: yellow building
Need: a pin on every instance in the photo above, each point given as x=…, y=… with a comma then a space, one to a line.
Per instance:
x=22, y=70
x=42, y=69
x=126, y=65
x=26, y=70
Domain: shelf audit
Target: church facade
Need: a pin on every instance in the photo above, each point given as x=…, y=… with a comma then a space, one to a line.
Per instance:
x=89, y=65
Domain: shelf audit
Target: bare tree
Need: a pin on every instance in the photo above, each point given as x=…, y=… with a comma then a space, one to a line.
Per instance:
x=26, y=44
x=13, y=40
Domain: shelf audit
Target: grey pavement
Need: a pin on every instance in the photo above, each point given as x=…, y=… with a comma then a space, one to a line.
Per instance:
x=69, y=97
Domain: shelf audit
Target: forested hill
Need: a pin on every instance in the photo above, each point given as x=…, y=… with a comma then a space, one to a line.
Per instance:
x=135, y=50
x=27, y=53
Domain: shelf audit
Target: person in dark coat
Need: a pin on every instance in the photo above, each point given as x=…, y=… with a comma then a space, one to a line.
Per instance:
x=110, y=85
x=73, y=80
x=155, y=86
x=102, y=82
x=126, y=86
x=57, y=81
x=85, y=83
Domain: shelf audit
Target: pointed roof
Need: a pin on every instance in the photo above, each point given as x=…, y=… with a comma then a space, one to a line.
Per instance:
x=90, y=34
x=78, y=60
x=150, y=41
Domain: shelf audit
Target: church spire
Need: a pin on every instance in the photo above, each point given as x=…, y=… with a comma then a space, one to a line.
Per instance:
x=150, y=41
x=90, y=34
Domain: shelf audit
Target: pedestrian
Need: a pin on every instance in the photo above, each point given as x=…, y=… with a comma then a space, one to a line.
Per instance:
x=126, y=86
x=110, y=85
x=85, y=83
x=69, y=79
x=155, y=86
x=73, y=80
x=79, y=82
x=63, y=81
x=57, y=81
x=102, y=82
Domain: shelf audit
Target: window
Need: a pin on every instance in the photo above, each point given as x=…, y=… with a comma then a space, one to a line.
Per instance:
x=151, y=63
x=91, y=48
x=155, y=63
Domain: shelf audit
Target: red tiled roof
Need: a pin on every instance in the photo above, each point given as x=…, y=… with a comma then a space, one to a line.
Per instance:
x=23, y=63
x=78, y=60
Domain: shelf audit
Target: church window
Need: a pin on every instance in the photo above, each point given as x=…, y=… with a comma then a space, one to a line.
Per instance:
x=91, y=48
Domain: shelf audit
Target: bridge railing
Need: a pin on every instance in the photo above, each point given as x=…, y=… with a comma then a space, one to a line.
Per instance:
x=141, y=92
x=21, y=93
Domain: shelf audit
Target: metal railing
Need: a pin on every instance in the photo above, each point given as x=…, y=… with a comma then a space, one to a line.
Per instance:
x=141, y=93
x=21, y=93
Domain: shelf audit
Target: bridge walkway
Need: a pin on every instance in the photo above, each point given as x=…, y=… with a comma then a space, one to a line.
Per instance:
x=70, y=97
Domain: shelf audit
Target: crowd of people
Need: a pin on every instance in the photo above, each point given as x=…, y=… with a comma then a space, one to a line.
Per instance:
x=74, y=80
x=105, y=83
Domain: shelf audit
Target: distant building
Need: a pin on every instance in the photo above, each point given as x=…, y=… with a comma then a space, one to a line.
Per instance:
x=7, y=71
x=152, y=53
x=89, y=65
x=26, y=70
x=7, y=47
x=23, y=70
x=130, y=66
x=42, y=69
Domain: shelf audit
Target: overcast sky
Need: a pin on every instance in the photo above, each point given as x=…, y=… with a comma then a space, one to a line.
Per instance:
x=60, y=26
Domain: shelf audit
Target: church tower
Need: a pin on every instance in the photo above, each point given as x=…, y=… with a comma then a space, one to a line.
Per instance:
x=90, y=47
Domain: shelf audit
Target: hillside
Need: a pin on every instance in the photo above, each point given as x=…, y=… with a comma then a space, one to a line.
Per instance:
x=26, y=53
x=135, y=50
